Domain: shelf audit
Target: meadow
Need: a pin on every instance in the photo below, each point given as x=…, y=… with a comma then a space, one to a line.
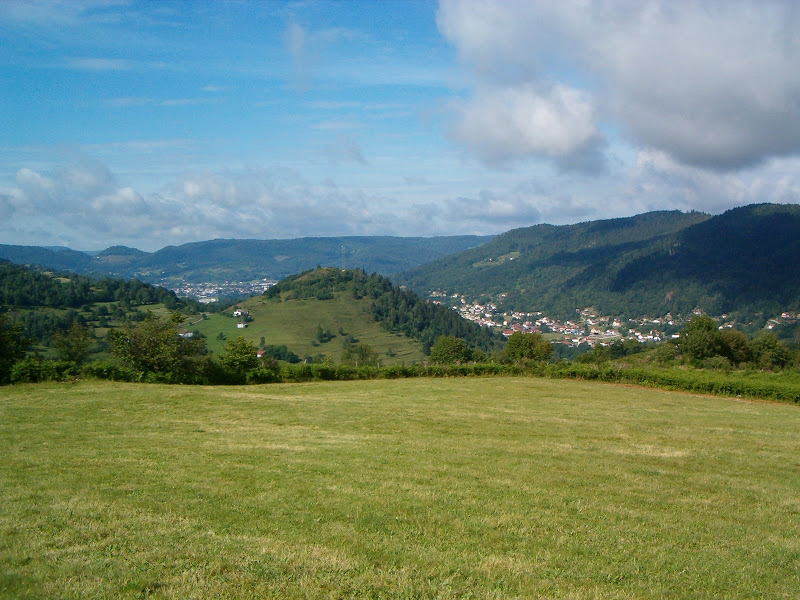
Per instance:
x=470, y=487
x=294, y=324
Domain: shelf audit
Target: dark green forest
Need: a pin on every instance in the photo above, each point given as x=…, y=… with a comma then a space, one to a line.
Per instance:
x=43, y=303
x=739, y=262
x=23, y=287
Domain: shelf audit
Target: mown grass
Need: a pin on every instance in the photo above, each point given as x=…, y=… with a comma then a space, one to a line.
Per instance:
x=415, y=488
x=294, y=323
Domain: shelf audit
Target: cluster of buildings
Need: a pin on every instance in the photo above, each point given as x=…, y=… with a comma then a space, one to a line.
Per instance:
x=587, y=327
x=212, y=292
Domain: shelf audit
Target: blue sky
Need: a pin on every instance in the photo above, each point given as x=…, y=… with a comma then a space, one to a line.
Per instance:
x=156, y=123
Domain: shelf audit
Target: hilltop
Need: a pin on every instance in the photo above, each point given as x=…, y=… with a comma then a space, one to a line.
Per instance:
x=651, y=264
x=320, y=312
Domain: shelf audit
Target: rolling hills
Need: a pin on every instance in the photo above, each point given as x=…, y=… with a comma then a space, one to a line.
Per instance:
x=739, y=262
x=294, y=325
x=651, y=264
x=321, y=311
x=222, y=260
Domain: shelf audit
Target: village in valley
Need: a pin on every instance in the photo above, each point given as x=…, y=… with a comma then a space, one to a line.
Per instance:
x=208, y=293
x=587, y=328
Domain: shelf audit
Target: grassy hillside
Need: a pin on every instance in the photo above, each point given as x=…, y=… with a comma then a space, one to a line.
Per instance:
x=741, y=261
x=483, y=488
x=294, y=324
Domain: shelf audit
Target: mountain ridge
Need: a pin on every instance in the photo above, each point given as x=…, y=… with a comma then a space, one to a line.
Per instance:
x=650, y=264
x=226, y=259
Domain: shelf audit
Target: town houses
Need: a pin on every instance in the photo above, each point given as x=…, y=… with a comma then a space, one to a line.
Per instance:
x=587, y=327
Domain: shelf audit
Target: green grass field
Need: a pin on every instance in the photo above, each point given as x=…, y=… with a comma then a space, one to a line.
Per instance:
x=294, y=324
x=415, y=488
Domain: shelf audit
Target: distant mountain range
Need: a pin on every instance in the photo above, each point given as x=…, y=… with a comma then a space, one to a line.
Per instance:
x=217, y=261
x=744, y=261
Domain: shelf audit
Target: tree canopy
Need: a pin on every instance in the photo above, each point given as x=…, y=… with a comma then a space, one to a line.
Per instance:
x=154, y=346
x=239, y=358
x=12, y=347
x=527, y=346
x=449, y=349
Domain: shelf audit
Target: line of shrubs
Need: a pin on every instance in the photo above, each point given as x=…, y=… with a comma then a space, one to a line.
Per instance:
x=34, y=370
x=774, y=386
x=784, y=387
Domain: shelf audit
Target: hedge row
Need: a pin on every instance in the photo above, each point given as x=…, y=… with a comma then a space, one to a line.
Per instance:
x=784, y=386
x=33, y=370
x=321, y=372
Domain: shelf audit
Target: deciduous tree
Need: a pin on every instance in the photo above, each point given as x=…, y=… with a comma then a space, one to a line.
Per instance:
x=449, y=349
x=74, y=344
x=12, y=347
x=239, y=358
x=700, y=339
x=527, y=346
x=769, y=352
x=153, y=346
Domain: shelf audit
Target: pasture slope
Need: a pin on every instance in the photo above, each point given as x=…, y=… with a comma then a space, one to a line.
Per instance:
x=294, y=324
x=415, y=488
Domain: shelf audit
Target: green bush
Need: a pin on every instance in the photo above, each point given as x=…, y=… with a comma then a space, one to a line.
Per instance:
x=109, y=371
x=264, y=374
x=33, y=369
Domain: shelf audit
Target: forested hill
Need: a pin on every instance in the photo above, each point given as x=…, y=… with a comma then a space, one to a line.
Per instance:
x=60, y=259
x=244, y=260
x=398, y=310
x=741, y=261
x=25, y=287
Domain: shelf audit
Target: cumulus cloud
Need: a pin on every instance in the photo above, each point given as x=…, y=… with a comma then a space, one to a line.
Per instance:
x=713, y=85
x=503, y=123
x=7, y=208
x=658, y=181
x=489, y=208
x=86, y=207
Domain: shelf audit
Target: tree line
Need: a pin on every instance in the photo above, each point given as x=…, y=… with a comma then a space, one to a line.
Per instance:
x=22, y=286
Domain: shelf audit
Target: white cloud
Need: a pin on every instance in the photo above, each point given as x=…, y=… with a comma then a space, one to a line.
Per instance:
x=344, y=149
x=85, y=206
x=304, y=55
x=33, y=190
x=100, y=64
x=47, y=12
x=505, y=123
x=658, y=181
x=7, y=208
x=714, y=85
x=488, y=208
